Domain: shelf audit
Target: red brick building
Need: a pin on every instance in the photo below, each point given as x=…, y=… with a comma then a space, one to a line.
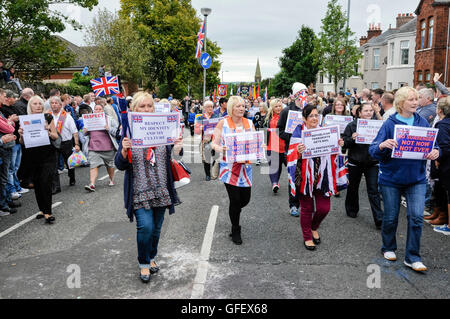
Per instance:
x=432, y=41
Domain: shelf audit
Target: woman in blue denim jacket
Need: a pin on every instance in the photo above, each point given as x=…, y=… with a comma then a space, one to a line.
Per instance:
x=148, y=189
x=402, y=177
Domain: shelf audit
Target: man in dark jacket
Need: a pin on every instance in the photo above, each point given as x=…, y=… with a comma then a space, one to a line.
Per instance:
x=297, y=88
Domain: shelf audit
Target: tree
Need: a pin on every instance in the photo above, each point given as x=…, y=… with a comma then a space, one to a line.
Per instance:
x=297, y=64
x=114, y=42
x=336, y=55
x=27, y=40
x=169, y=28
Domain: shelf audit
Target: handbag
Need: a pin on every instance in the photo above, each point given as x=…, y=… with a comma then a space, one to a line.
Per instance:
x=215, y=170
x=76, y=160
x=56, y=143
x=181, y=173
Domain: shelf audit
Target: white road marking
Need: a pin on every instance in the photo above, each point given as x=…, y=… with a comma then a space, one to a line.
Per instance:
x=6, y=232
x=203, y=264
x=106, y=176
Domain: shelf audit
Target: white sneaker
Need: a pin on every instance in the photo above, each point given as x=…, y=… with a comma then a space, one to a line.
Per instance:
x=24, y=191
x=15, y=196
x=2, y=213
x=111, y=183
x=390, y=255
x=417, y=266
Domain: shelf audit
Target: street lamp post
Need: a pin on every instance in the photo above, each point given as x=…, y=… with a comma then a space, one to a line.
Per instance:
x=206, y=12
x=348, y=25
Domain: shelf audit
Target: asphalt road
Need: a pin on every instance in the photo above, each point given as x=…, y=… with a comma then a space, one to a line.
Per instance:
x=90, y=251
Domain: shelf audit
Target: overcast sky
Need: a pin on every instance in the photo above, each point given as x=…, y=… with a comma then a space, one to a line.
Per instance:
x=251, y=29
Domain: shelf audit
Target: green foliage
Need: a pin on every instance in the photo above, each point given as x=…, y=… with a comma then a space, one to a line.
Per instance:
x=335, y=54
x=169, y=29
x=297, y=64
x=82, y=80
x=27, y=39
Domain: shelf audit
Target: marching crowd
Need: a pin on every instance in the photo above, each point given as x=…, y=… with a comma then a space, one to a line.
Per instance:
x=149, y=186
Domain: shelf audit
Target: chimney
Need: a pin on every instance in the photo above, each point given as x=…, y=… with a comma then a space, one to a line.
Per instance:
x=374, y=31
x=362, y=41
x=403, y=18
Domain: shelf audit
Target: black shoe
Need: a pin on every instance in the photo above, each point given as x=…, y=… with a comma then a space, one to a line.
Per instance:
x=309, y=247
x=50, y=220
x=316, y=241
x=208, y=178
x=144, y=278
x=236, y=235
x=72, y=183
x=14, y=205
x=40, y=216
x=56, y=191
x=154, y=270
x=352, y=216
x=378, y=225
x=9, y=210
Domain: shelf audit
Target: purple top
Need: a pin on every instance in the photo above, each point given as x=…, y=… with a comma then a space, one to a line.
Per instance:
x=100, y=141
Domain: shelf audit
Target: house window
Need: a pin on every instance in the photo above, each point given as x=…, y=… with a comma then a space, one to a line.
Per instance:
x=430, y=32
x=321, y=77
x=427, y=76
x=329, y=78
x=376, y=58
x=389, y=86
x=356, y=69
x=420, y=76
x=422, y=34
x=391, y=53
x=375, y=85
x=366, y=60
x=404, y=49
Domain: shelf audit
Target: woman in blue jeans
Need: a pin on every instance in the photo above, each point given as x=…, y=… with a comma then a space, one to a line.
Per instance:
x=148, y=188
x=402, y=177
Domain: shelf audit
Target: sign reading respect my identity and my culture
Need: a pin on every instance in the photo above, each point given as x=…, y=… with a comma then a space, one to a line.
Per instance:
x=321, y=141
x=154, y=129
x=367, y=130
x=413, y=142
x=242, y=147
x=294, y=119
x=162, y=108
x=94, y=121
x=34, y=132
x=340, y=120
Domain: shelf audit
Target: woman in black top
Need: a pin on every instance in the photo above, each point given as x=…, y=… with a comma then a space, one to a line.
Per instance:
x=43, y=162
x=360, y=162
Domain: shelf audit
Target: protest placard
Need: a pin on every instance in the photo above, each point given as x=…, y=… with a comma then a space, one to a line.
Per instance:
x=242, y=147
x=34, y=132
x=94, y=121
x=154, y=129
x=210, y=124
x=413, y=142
x=339, y=120
x=294, y=119
x=367, y=130
x=321, y=141
x=162, y=108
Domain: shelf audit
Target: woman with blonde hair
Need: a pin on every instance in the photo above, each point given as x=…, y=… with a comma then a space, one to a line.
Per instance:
x=275, y=145
x=402, y=176
x=43, y=161
x=236, y=176
x=148, y=189
x=205, y=149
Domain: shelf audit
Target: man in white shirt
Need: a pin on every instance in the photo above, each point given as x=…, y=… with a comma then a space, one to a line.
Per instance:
x=65, y=125
x=387, y=102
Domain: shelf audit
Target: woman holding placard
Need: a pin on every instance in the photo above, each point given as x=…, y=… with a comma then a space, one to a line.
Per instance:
x=402, y=176
x=236, y=176
x=275, y=145
x=315, y=179
x=359, y=163
x=149, y=188
x=43, y=161
x=100, y=147
x=205, y=149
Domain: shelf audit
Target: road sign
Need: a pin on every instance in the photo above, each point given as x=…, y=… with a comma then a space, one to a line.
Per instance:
x=205, y=61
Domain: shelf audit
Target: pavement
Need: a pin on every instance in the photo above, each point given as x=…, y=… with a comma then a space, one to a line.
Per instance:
x=90, y=251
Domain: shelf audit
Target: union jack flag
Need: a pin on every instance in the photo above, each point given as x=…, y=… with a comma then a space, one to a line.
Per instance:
x=200, y=41
x=302, y=96
x=105, y=86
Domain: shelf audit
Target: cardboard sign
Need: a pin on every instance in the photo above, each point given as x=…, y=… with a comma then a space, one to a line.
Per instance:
x=294, y=119
x=94, y=121
x=321, y=141
x=414, y=142
x=367, y=130
x=154, y=129
x=242, y=147
x=34, y=132
x=339, y=120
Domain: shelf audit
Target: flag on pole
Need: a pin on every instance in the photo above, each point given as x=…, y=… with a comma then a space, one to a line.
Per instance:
x=265, y=95
x=214, y=99
x=258, y=94
x=254, y=93
x=200, y=41
x=238, y=93
x=105, y=86
x=231, y=92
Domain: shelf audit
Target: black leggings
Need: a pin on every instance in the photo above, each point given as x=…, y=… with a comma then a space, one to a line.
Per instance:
x=239, y=198
x=42, y=180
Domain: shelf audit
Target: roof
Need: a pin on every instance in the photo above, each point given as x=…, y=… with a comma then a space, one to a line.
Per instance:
x=435, y=3
x=410, y=26
x=82, y=55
